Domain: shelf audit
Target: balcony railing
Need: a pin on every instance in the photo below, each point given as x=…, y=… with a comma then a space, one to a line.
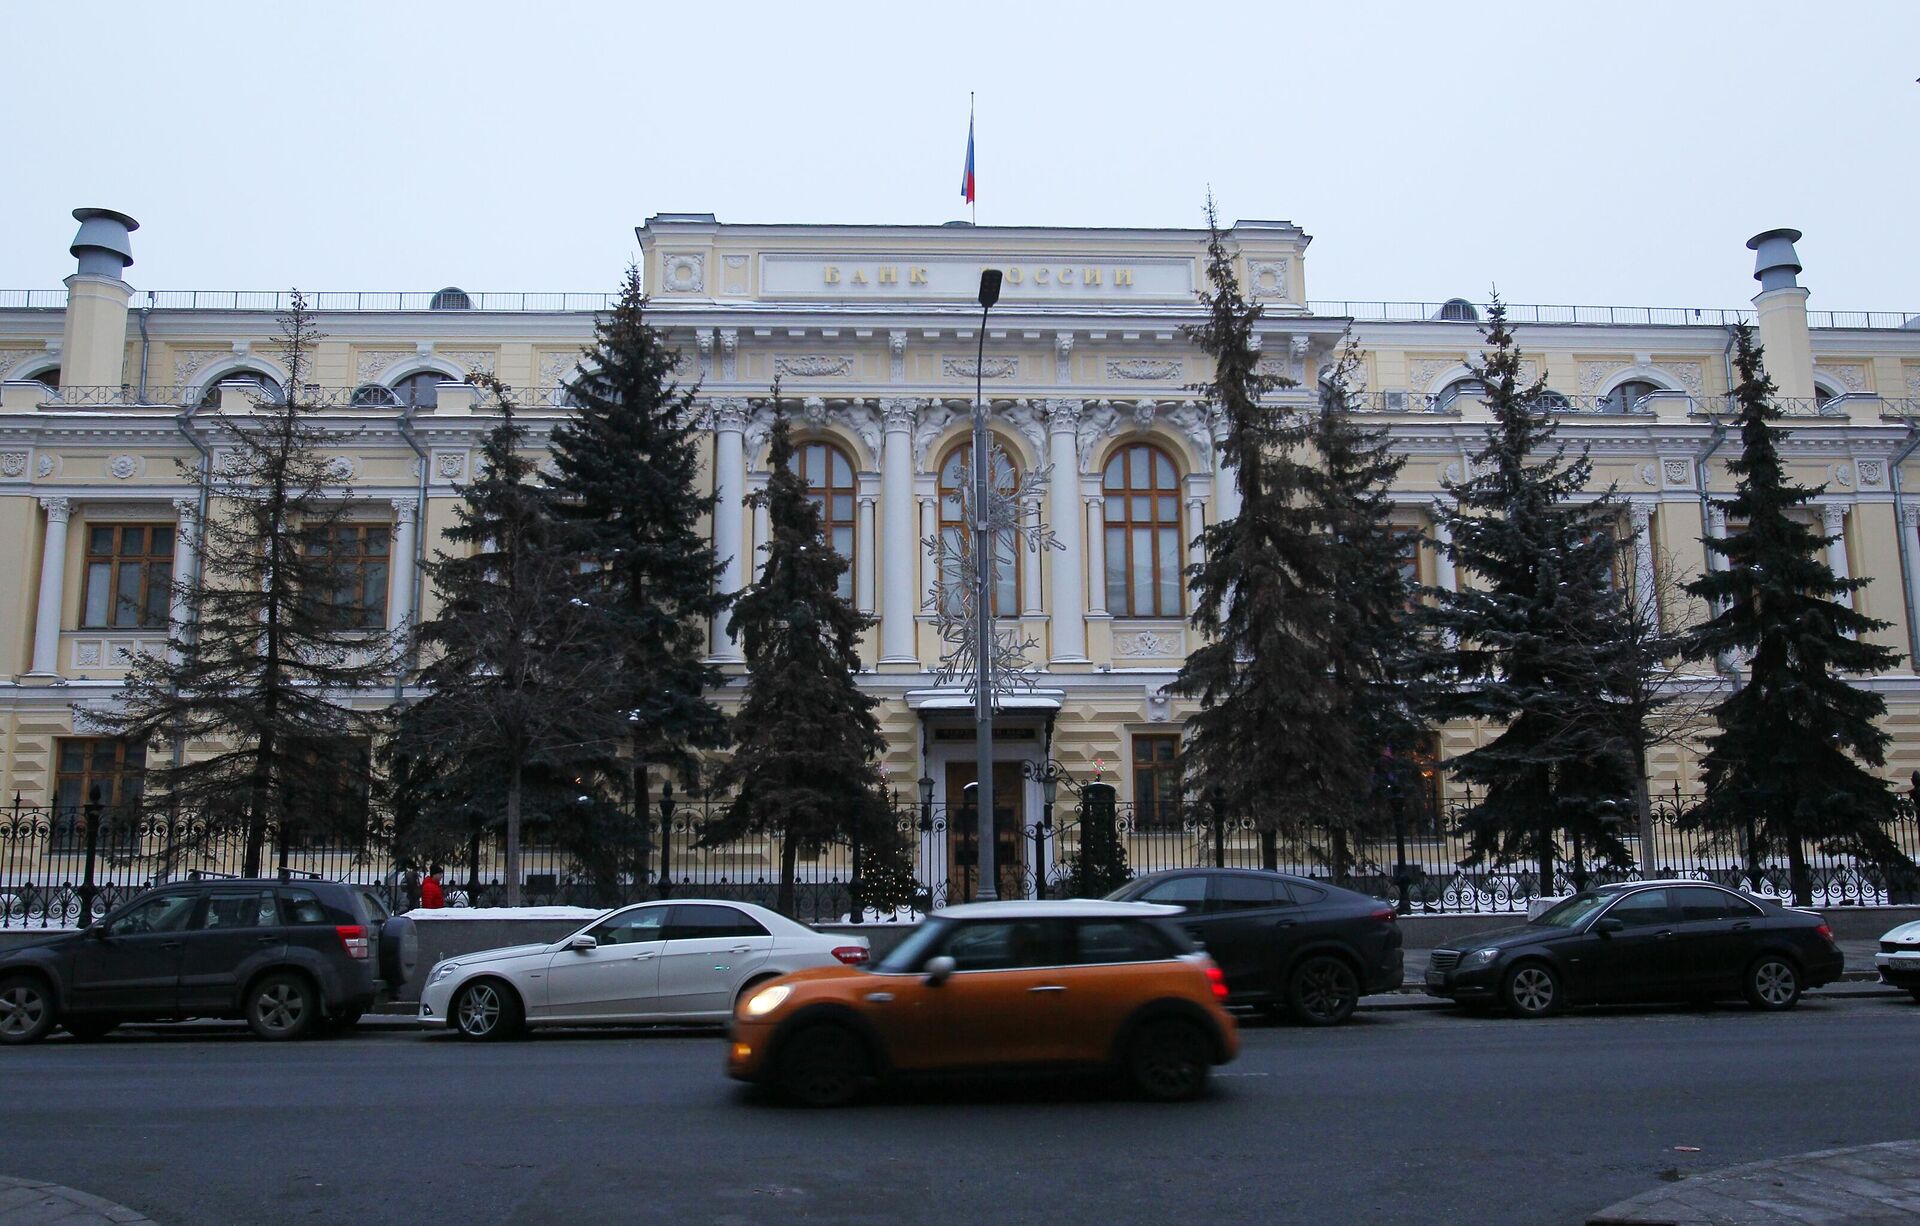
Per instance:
x=1838, y=408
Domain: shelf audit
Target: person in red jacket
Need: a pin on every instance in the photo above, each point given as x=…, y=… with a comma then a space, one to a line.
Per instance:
x=431, y=895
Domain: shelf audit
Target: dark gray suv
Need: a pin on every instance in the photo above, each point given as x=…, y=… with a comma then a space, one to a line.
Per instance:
x=290, y=957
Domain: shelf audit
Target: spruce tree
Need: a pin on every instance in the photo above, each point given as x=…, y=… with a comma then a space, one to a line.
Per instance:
x=1372, y=620
x=807, y=741
x=1788, y=766
x=628, y=468
x=255, y=689
x=520, y=676
x=1528, y=643
x=1268, y=734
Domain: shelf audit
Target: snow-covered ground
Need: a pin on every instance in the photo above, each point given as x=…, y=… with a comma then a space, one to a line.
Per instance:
x=506, y=913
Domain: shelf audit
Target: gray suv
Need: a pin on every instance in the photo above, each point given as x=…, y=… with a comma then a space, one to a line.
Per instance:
x=289, y=957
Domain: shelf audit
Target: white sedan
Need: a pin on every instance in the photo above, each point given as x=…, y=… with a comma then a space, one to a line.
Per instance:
x=672, y=961
x=1899, y=958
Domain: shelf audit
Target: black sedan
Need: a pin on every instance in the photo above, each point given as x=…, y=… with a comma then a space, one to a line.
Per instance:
x=1642, y=943
x=1284, y=942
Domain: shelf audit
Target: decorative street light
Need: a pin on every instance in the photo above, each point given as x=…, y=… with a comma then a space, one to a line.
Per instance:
x=983, y=545
x=926, y=803
x=1048, y=774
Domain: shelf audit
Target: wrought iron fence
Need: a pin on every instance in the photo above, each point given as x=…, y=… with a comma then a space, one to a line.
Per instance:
x=57, y=867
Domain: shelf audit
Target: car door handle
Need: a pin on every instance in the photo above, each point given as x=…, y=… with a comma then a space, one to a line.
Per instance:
x=268, y=940
x=1664, y=935
x=642, y=957
x=880, y=998
x=741, y=949
x=1049, y=987
x=1743, y=926
x=169, y=944
x=1285, y=923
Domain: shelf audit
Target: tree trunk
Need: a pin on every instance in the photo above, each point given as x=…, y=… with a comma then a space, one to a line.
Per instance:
x=1342, y=857
x=1797, y=874
x=1270, y=850
x=513, y=836
x=1643, y=805
x=789, y=859
x=1546, y=859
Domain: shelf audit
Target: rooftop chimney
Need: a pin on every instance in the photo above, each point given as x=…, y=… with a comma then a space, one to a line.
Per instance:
x=94, y=349
x=1781, y=306
x=102, y=245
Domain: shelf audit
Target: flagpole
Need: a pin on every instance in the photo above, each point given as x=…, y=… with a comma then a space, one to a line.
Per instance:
x=973, y=205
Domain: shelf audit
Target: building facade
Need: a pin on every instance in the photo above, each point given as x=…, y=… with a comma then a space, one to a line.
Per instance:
x=110, y=396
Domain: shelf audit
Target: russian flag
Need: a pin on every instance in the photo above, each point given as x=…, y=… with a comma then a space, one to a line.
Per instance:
x=966, y=176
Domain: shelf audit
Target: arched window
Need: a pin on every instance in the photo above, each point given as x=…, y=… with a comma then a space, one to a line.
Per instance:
x=1625, y=397
x=829, y=477
x=956, y=474
x=1143, y=533
x=1824, y=395
x=1473, y=389
x=50, y=376
x=267, y=387
x=421, y=389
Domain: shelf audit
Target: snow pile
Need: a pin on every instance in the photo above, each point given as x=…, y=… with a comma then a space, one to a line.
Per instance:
x=506, y=913
x=905, y=915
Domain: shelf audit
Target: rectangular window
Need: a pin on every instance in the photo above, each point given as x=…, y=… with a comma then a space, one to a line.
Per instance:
x=127, y=572
x=356, y=596
x=1156, y=781
x=329, y=793
x=97, y=780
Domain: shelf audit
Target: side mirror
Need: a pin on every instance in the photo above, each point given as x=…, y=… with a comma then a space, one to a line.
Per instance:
x=1606, y=925
x=938, y=970
x=583, y=943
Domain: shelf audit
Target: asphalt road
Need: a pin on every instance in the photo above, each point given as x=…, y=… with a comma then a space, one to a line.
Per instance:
x=1403, y=1116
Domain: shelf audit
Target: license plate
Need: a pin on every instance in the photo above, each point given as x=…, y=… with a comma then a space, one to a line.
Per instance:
x=1436, y=978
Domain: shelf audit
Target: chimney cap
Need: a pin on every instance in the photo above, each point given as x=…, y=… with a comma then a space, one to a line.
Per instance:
x=102, y=231
x=1776, y=264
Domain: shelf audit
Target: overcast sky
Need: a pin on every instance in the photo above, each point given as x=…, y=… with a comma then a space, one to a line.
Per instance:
x=1616, y=152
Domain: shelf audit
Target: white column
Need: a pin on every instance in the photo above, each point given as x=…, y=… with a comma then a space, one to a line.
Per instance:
x=930, y=575
x=897, y=529
x=1069, y=569
x=186, y=547
x=1191, y=530
x=1096, y=556
x=1444, y=574
x=1031, y=603
x=762, y=537
x=53, y=587
x=1645, y=592
x=1226, y=481
x=863, y=571
x=1833, y=517
x=729, y=487
x=406, y=522
x=1910, y=524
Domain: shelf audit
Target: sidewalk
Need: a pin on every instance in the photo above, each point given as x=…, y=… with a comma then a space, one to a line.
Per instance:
x=1865, y=1185
x=29, y=1202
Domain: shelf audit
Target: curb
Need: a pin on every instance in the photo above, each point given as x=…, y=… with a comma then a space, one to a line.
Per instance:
x=1797, y=1188
x=30, y=1202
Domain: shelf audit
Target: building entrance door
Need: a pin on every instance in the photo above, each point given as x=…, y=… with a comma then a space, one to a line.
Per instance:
x=1009, y=811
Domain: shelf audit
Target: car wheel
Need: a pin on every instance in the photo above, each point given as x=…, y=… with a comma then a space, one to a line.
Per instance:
x=1168, y=1060
x=1773, y=983
x=282, y=1005
x=88, y=1029
x=824, y=1066
x=487, y=1010
x=26, y=1009
x=1323, y=991
x=1531, y=990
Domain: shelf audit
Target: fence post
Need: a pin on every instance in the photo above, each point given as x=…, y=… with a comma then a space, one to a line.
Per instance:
x=855, y=910
x=92, y=816
x=666, y=836
x=1401, y=880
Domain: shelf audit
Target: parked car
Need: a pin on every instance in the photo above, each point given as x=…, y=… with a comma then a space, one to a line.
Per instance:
x=998, y=984
x=288, y=956
x=1899, y=958
x=1284, y=943
x=1643, y=942
x=680, y=961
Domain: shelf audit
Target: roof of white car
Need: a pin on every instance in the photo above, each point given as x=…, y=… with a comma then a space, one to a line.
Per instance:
x=773, y=919
x=1066, y=908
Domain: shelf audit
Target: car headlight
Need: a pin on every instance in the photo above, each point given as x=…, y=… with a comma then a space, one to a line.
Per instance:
x=766, y=1001
x=441, y=972
x=1478, y=958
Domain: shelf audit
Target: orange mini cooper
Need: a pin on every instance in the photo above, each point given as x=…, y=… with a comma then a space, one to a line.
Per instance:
x=998, y=984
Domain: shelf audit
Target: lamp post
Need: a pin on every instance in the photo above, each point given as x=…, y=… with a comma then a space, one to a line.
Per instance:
x=926, y=803
x=1048, y=774
x=983, y=545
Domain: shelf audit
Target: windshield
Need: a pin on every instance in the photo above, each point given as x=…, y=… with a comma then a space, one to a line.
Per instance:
x=1569, y=913
x=906, y=957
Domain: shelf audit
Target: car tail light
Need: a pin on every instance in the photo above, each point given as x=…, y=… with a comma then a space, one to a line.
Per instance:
x=852, y=955
x=1385, y=915
x=1217, y=981
x=1826, y=933
x=354, y=938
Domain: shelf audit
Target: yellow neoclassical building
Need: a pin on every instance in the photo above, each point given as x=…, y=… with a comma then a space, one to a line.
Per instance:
x=111, y=393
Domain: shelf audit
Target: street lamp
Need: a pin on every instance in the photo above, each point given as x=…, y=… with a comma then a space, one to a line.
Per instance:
x=983, y=543
x=926, y=803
